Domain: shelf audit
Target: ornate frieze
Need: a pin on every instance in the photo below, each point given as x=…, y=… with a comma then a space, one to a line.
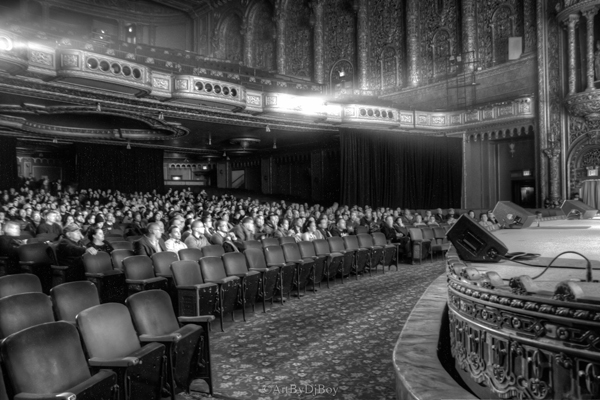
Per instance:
x=497, y=20
x=189, y=88
x=228, y=41
x=259, y=38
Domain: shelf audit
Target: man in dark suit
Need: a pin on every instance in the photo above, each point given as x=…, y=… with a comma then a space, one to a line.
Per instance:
x=70, y=249
x=244, y=231
x=49, y=227
x=340, y=228
x=151, y=242
x=322, y=228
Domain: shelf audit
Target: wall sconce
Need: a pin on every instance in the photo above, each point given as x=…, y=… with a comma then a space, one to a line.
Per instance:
x=526, y=172
x=512, y=149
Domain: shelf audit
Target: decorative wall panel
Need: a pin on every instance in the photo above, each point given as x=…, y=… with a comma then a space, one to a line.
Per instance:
x=386, y=44
x=298, y=39
x=229, y=38
x=340, y=32
x=439, y=33
x=261, y=29
x=497, y=20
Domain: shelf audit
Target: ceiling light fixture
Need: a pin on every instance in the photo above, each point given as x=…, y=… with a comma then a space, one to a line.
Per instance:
x=161, y=116
x=98, y=107
x=268, y=129
x=274, y=142
x=128, y=146
x=209, y=139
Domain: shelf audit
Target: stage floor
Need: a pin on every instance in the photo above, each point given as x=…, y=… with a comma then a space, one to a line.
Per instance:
x=550, y=239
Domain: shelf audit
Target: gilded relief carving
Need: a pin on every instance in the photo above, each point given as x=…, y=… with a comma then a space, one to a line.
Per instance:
x=340, y=32
x=386, y=44
x=298, y=39
x=497, y=20
x=439, y=33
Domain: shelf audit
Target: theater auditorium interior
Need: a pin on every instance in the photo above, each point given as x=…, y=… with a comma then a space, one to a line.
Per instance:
x=269, y=199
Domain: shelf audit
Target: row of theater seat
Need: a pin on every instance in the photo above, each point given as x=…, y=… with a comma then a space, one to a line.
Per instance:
x=125, y=346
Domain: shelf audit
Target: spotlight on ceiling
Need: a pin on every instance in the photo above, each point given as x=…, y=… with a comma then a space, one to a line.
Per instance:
x=128, y=146
x=268, y=129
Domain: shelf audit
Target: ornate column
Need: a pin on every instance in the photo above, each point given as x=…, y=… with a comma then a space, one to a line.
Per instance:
x=248, y=34
x=468, y=33
x=589, y=18
x=412, y=29
x=571, y=23
x=318, y=35
x=280, y=16
x=362, y=43
x=553, y=154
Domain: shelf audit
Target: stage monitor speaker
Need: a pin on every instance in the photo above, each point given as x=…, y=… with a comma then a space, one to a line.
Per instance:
x=474, y=243
x=586, y=211
x=510, y=215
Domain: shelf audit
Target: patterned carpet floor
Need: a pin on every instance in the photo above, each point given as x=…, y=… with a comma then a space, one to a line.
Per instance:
x=336, y=343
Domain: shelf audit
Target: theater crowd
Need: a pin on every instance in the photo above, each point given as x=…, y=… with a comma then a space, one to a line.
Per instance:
x=78, y=220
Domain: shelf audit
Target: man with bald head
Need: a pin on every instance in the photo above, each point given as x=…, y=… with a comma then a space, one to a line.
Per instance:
x=151, y=243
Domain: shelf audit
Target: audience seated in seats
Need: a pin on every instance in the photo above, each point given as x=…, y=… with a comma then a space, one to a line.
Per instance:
x=339, y=229
x=439, y=216
x=483, y=220
x=451, y=214
x=174, y=242
x=36, y=220
x=9, y=242
x=150, y=243
x=208, y=226
x=418, y=221
x=323, y=228
x=197, y=239
x=222, y=234
x=89, y=222
x=244, y=231
x=260, y=232
x=351, y=223
x=389, y=230
x=310, y=231
x=471, y=214
x=271, y=225
x=432, y=221
x=283, y=230
x=427, y=216
x=96, y=240
x=452, y=220
x=50, y=225
x=400, y=227
x=407, y=218
x=296, y=228
x=70, y=249
x=492, y=217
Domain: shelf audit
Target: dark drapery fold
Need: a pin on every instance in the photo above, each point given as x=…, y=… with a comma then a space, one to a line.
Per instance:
x=115, y=167
x=385, y=169
x=8, y=162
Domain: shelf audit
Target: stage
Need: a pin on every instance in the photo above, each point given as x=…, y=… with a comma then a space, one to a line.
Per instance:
x=423, y=351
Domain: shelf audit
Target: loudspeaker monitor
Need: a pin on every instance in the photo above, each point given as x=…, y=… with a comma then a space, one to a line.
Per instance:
x=511, y=215
x=474, y=243
x=586, y=211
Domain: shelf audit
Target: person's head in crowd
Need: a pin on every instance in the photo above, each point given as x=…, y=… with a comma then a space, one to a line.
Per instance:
x=198, y=228
x=407, y=212
x=418, y=219
x=161, y=226
x=432, y=220
x=22, y=214
x=259, y=221
x=12, y=228
x=341, y=224
x=36, y=217
x=110, y=218
x=174, y=232
x=248, y=223
x=51, y=217
x=427, y=215
x=471, y=213
x=99, y=220
x=274, y=219
x=73, y=232
x=137, y=217
x=451, y=211
x=91, y=219
x=153, y=231
x=323, y=223
x=310, y=226
x=285, y=224
x=207, y=220
x=483, y=217
x=96, y=235
x=389, y=221
x=79, y=218
x=222, y=226
x=68, y=220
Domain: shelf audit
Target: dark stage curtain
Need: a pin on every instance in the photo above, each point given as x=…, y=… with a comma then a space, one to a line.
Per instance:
x=116, y=168
x=8, y=162
x=385, y=169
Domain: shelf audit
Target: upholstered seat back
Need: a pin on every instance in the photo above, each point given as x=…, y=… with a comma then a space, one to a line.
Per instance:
x=107, y=331
x=307, y=249
x=212, y=269
x=190, y=254
x=21, y=311
x=266, y=242
x=336, y=244
x=46, y=358
x=255, y=258
x=34, y=252
x=186, y=273
x=98, y=263
x=138, y=267
x=274, y=255
x=152, y=313
x=365, y=240
x=215, y=250
x=118, y=256
x=286, y=239
x=19, y=283
x=321, y=247
x=351, y=242
x=71, y=298
x=253, y=244
x=291, y=252
x=121, y=245
x=235, y=264
x=379, y=239
x=162, y=262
